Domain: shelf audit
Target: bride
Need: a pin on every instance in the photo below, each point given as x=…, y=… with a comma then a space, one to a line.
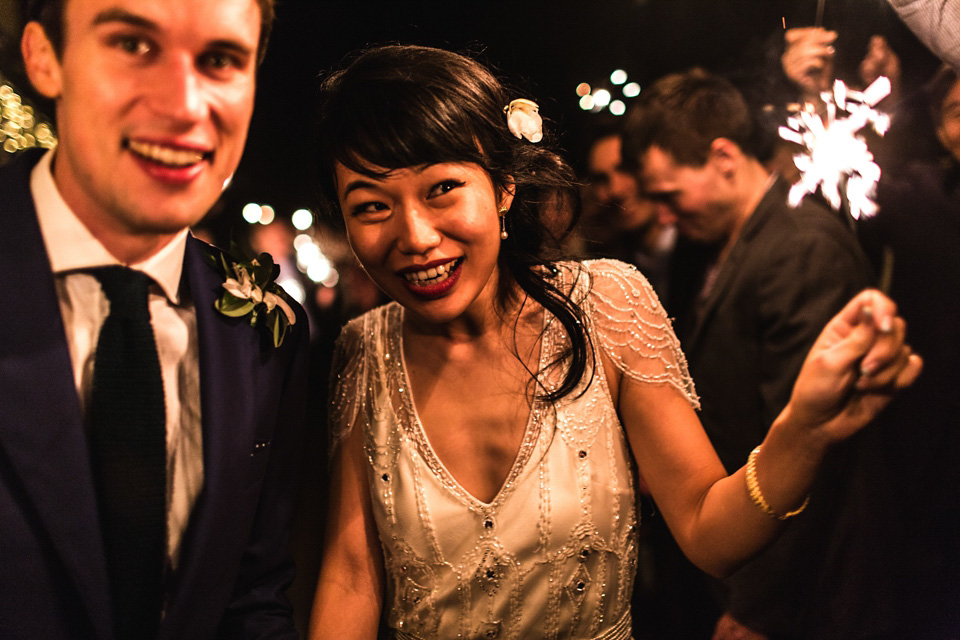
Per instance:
x=491, y=419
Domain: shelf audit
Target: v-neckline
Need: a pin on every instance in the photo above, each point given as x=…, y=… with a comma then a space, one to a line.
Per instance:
x=530, y=430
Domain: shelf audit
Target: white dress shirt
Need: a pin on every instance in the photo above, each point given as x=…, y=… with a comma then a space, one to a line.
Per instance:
x=84, y=307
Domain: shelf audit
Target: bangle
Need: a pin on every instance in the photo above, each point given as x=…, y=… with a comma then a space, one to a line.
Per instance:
x=756, y=496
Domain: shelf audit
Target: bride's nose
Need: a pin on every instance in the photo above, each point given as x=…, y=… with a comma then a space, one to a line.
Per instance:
x=417, y=232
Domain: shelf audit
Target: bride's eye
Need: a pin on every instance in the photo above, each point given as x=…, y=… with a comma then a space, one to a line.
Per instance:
x=371, y=207
x=444, y=187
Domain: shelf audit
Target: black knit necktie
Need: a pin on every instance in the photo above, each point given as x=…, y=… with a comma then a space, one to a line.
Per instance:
x=128, y=453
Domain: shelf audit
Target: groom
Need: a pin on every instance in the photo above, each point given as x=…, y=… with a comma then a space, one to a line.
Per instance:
x=153, y=101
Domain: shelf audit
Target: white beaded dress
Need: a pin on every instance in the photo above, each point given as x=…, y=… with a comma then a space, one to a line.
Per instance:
x=554, y=554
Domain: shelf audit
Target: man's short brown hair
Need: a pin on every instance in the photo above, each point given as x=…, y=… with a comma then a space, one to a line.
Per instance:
x=682, y=114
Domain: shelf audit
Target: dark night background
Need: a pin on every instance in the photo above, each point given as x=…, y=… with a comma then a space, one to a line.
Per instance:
x=546, y=48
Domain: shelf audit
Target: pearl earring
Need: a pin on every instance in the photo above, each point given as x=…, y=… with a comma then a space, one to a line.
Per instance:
x=503, y=224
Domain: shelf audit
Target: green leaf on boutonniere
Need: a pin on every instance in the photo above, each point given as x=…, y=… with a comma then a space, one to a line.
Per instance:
x=277, y=328
x=231, y=305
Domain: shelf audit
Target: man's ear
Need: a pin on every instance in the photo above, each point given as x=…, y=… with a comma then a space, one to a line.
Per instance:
x=40, y=59
x=725, y=155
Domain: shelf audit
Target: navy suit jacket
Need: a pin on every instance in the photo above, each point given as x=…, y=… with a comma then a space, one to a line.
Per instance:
x=235, y=563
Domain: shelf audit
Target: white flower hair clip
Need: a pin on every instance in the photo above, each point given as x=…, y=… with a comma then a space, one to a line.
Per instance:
x=523, y=119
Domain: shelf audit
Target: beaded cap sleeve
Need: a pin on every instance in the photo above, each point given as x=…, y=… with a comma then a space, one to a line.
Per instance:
x=633, y=329
x=349, y=368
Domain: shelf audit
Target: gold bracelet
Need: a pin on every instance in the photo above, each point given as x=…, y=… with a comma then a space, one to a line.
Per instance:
x=756, y=496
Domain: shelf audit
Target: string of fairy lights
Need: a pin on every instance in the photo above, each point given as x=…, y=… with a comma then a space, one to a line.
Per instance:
x=20, y=126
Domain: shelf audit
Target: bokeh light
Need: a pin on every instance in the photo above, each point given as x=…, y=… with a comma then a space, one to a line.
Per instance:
x=301, y=219
x=252, y=212
x=267, y=214
x=19, y=126
x=301, y=240
x=631, y=90
x=293, y=288
x=618, y=77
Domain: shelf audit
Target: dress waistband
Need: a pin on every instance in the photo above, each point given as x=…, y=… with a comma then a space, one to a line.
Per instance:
x=619, y=631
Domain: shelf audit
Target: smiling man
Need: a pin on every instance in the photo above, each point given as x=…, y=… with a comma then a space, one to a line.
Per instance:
x=625, y=225
x=147, y=439
x=775, y=276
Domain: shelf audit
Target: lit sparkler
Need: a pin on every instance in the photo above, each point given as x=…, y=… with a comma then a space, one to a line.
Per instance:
x=836, y=158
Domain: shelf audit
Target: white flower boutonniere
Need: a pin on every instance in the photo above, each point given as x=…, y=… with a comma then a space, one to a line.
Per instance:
x=250, y=289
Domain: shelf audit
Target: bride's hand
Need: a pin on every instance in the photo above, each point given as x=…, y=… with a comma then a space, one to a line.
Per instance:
x=859, y=361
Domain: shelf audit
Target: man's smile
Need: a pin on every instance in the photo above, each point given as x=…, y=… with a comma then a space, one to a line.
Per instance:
x=167, y=155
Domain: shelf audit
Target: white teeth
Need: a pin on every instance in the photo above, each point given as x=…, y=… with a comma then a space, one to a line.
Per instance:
x=432, y=275
x=166, y=155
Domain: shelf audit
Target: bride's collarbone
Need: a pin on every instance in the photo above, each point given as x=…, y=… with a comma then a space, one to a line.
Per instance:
x=488, y=366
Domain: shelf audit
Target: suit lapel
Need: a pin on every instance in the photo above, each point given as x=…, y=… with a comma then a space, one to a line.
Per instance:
x=229, y=353
x=733, y=262
x=41, y=434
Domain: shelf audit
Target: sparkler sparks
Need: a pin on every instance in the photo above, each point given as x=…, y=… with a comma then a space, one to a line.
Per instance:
x=836, y=158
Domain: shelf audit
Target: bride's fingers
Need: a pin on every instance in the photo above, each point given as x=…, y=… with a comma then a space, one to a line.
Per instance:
x=885, y=349
x=910, y=373
x=885, y=374
x=871, y=305
x=899, y=373
x=869, y=309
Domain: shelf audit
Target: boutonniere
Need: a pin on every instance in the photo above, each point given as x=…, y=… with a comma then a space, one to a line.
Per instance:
x=250, y=289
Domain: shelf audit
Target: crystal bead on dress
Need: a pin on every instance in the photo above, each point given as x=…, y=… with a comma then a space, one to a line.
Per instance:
x=488, y=630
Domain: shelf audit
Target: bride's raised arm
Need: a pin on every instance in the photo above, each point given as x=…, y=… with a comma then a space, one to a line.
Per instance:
x=720, y=521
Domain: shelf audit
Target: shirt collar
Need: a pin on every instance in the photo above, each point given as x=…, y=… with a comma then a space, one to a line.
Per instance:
x=71, y=246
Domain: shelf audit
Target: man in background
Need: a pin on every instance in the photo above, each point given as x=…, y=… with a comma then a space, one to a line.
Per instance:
x=624, y=223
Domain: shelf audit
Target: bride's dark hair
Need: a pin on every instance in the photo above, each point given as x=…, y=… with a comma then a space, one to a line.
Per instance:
x=401, y=106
